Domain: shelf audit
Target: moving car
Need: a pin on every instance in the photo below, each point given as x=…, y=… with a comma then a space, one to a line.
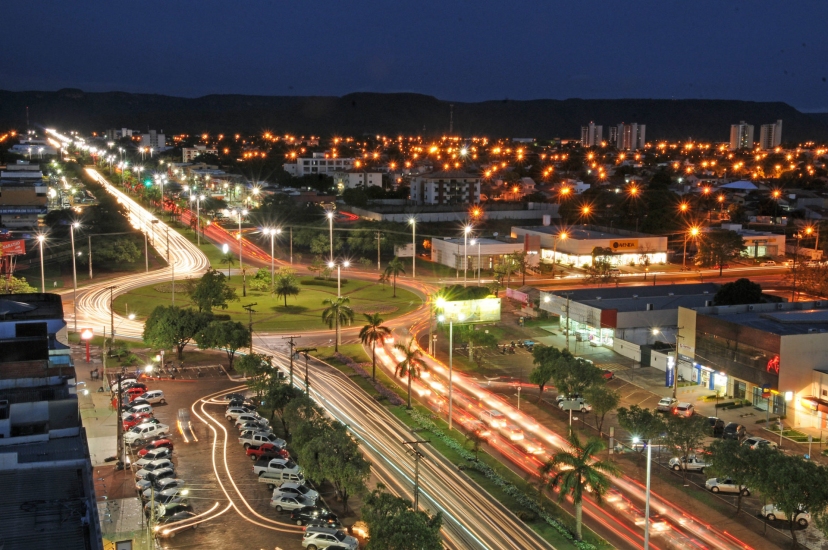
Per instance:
x=168, y=526
x=772, y=513
x=494, y=419
x=684, y=409
x=759, y=443
x=308, y=514
x=734, y=430
x=667, y=404
x=768, y=263
x=317, y=538
x=512, y=432
x=725, y=485
x=691, y=464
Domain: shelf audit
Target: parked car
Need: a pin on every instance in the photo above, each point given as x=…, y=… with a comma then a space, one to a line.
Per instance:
x=145, y=432
x=154, y=477
x=725, y=485
x=254, y=427
x=734, y=430
x=125, y=385
x=167, y=501
x=772, y=513
x=145, y=421
x=607, y=374
x=276, y=465
x=691, y=464
x=317, y=538
x=250, y=439
x=266, y=450
x=139, y=408
x=155, y=454
x=769, y=263
x=161, y=485
x=289, y=502
x=563, y=397
x=667, y=404
x=721, y=266
x=759, y=443
x=135, y=419
x=577, y=404
x=252, y=418
x=155, y=445
x=308, y=514
x=684, y=409
x=232, y=396
x=275, y=478
x=155, y=397
x=152, y=466
x=296, y=489
x=168, y=526
x=717, y=426
x=233, y=412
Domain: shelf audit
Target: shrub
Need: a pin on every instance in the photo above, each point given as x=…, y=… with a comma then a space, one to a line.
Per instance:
x=318, y=282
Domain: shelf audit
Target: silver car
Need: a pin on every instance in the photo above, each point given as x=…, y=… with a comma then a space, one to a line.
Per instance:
x=772, y=513
x=667, y=404
x=725, y=485
x=691, y=464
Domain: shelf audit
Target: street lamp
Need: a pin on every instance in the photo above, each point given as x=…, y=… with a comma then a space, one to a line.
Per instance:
x=338, y=267
x=442, y=319
x=479, y=279
x=40, y=239
x=413, y=222
x=241, y=213
x=330, y=216
x=86, y=335
x=562, y=236
x=198, y=199
x=72, y=228
x=647, y=500
x=466, y=231
x=272, y=232
x=692, y=232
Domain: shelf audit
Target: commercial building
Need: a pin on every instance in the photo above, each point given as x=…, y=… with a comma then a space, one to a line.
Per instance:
x=154, y=140
x=758, y=243
x=190, y=153
x=575, y=245
x=480, y=252
x=45, y=469
x=351, y=179
x=445, y=187
x=770, y=135
x=741, y=136
x=639, y=315
x=591, y=135
x=629, y=137
x=318, y=163
x=774, y=355
x=23, y=195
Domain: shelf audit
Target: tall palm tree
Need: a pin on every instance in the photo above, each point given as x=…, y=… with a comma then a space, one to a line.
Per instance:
x=411, y=364
x=228, y=259
x=372, y=333
x=576, y=471
x=285, y=285
x=337, y=313
x=394, y=268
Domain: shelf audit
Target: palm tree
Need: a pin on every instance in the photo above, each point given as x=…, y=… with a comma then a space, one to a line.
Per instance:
x=228, y=259
x=394, y=268
x=285, y=285
x=337, y=313
x=576, y=471
x=411, y=364
x=372, y=333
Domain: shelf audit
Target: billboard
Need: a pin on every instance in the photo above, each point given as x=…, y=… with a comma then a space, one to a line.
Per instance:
x=486, y=310
x=10, y=248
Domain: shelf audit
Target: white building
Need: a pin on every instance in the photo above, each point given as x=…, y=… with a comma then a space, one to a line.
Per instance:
x=741, y=136
x=629, y=137
x=770, y=135
x=758, y=243
x=450, y=252
x=591, y=135
x=357, y=178
x=189, y=153
x=446, y=187
x=319, y=163
x=153, y=140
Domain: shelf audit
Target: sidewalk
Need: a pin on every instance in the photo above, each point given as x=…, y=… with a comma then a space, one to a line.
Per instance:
x=97, y=415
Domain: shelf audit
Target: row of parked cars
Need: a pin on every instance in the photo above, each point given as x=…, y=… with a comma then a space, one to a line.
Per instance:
x=274, y=467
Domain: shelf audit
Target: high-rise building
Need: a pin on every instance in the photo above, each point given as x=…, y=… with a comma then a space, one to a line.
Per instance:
x=629, y=137
x=613, y=135
x=770, y=135
x=154, y=140
x=591, y=135
x=741, y=136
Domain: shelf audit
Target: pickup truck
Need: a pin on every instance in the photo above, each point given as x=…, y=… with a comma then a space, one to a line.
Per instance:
x=266, y=450
x=251, y=439
x=278, y=465
x=275, y=479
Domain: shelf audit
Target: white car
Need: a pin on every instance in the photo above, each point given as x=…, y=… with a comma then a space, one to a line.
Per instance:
x=667, y=404
x=154, y=397
x=162, y=485
x=317, y=538
x=145, y=432
x=759, y=443
x=233, y=412
x=577, y=404
x=155, y=454
x=253, y=427
x=290, y=502
x=768, y=263
x=251, y=417
x=684, y=409
x=152, y=466
x=691, y=464
x=725, y=485
x=773, y=513
x=295, y=489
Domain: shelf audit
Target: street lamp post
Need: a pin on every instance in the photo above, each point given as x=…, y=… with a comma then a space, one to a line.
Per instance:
x=240, y=214
x=479, y=278
x=560, y=237
x=272, y=232
x=647, y=499
x=198, y=199
x=339, y=266
x=74, y=274
x=413, y=222
x=330, y=216
x=692, y=232
x=466, y=231
x=442, y=319
x=40, y=239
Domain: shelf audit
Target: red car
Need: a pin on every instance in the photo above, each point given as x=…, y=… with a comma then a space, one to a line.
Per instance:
x=723, y=266
x=266, y=450
x=608, y=374
x=135, y=419
x=155, y=445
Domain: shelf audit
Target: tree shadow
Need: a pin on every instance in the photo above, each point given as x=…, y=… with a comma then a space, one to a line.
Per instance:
x=290, y=310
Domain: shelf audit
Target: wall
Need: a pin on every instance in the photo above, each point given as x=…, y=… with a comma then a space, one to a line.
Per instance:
x=656, y=318
x=659, y=360
x=627, y=349
x=799, y=355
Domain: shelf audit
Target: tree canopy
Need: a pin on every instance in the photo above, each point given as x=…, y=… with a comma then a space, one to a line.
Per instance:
x=172, y=326
x=229, y=335
x=395, y=525
x=720, y=246
x=212, y=290
x=740, y=291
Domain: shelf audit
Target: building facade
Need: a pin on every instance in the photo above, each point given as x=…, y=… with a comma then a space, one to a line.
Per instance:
x=154, y=140
x=462, y=254
x=630, y=137
x=190, y=153
x=356, y=178
x=770, y=135
x=23, y=195
x=318, y=163
x=591, y=135
x=741, y=136
x=445, y=187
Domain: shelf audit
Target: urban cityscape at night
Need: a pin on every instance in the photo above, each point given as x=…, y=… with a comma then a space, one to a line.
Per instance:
x=422, y=277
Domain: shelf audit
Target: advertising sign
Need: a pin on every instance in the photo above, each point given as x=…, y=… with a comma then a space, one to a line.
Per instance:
x=624, y=245
x=486, y=310
x=9, y=248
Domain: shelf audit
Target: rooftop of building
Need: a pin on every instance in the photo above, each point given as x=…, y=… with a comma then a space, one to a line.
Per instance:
x=581, y=233
x=448, y=174
x=784, y=318
x=31, y=306
x=737, y=227
x=482, y=240
x=637, y=298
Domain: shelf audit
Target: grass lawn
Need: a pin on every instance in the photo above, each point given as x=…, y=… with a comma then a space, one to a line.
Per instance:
x=304, y=312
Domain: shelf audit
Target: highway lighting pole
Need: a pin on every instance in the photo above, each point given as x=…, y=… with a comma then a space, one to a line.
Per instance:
x=338, y=273
x=479, y=278
x=413, y=222
x=146, y=250
x=74, y=274
x=250, y=311
x=466, y=231
x=40, y=239
x=330, y=216
x=241, y=213
x=647, y=500
x=172, y=266
x=90, y=256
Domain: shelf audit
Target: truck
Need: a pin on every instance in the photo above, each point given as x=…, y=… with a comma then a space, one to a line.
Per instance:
x=266, y=450
x=274, y=479
x=251, y=439
x=276, y=465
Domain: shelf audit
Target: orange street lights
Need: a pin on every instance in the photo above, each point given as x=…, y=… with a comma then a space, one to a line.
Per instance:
x=776, y=194
x=691, y=232
x=559, y=237
x=684, y=208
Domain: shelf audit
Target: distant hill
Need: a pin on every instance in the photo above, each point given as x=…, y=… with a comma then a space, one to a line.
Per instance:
x=393, y=114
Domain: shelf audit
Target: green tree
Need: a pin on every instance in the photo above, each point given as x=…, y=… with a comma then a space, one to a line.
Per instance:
x=230, y=260
x=337, y=312
x=573, y=375
x=644, y=424
x=738, y=462
x=472, y=337
x=171, y=326
x=740, y=291
x=394, y=268
x=277, y=397
x=261, y=281
x=212, y=290
x=719, y=247
x=475, y=440
x=603, y=400
x=395, y=525
x=286, y=283
x=117, y=251
x=228, y=335
x=686, y=434
x=257, y=368
x=306, y=419
x=575, y=471
x=373, y=331
x=17, y=285
x=544, y=357
x=411, y=363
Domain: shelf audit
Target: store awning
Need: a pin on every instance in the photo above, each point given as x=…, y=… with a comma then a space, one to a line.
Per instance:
x=815, y=404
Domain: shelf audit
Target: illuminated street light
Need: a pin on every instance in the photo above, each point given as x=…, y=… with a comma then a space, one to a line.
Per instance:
x=413, y=222
x=339, y=267
x=330, y=216
x=40, y=239
x=72, y=228
x=691, y=232
x=466, y=230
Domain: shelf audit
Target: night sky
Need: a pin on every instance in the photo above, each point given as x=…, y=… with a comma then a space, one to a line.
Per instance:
x=460, y=50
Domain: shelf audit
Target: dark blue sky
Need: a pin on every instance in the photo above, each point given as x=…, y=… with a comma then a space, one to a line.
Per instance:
x=462, y=50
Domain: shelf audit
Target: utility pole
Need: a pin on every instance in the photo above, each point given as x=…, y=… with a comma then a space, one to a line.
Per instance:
x=305, y=352
x=111, y=320
x=250, y=312
x=119, y=463
x=292, y=344
x=414, y=450
x=568, y=323
x=90, y=256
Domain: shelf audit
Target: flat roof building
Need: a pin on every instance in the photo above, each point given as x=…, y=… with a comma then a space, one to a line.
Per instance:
x=758, y=243
x=480, y=252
